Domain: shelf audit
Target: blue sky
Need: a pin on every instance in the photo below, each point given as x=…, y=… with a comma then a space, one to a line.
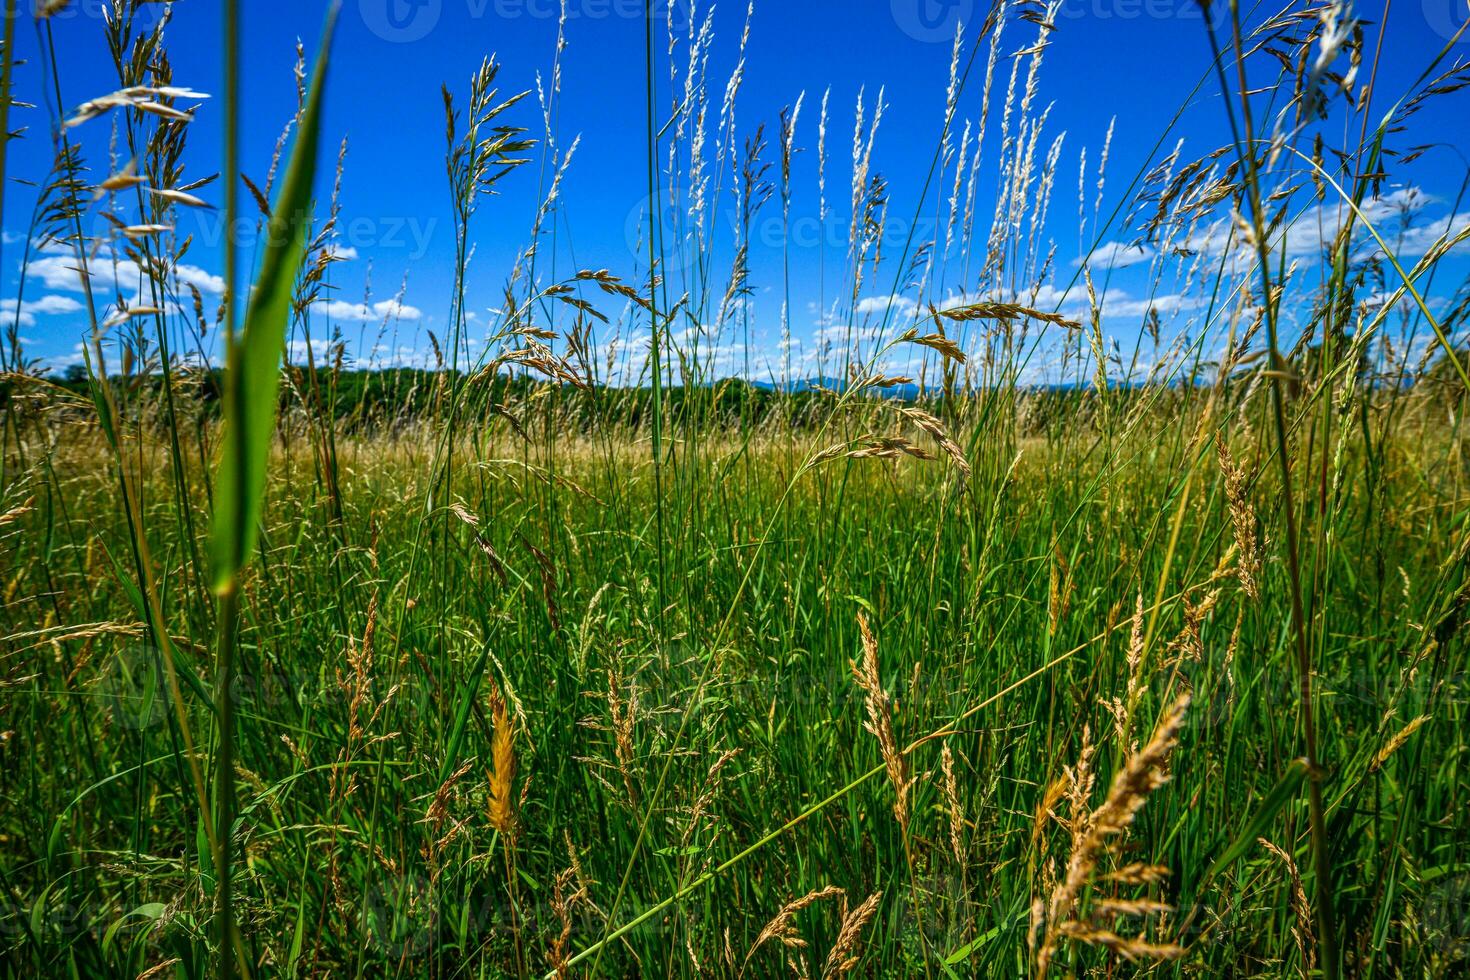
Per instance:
x=1126, y=63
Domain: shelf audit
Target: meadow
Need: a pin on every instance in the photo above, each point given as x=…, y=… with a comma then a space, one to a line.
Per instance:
x=534, y=663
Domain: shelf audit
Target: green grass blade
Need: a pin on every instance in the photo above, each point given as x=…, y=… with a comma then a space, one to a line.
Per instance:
x=1285, y=790
x=253, y=378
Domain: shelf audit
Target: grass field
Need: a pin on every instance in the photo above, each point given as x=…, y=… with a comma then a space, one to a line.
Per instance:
x=517, y=669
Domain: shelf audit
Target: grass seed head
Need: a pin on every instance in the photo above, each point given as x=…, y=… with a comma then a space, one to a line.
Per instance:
x=878, y=705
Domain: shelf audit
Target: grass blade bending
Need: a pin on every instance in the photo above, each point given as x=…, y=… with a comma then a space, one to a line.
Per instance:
x=252, y=381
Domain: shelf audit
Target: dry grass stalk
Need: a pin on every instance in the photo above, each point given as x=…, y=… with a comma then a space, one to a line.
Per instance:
x=1230, y=650
x=889, y=447
x=1112, y=908
x=360, y=661
x=442, y=827
x=502, y=774
x=54, y=635
x=887, y=381
x=623, y=712
x=1129, y=948
x=937, y=432
x=1045, y=813
x=1038, y=909
x=1135, y=641
x=564, y=898
x=1397, y=742
x=713, y=783
x=1306, y=940
x=939, y=342
x=548, y=583
x=845, y=953
x=831, y=452
x=952, y=804
x=781, y=927
x=1144, y=772
x=1004, y=312
x=1137, y=873
x=1242, y=523
x=157, y=971
x=496, y=564
x=1189, y=643
x=357, y=684
x=689, y=947
x=140, y=97
x=1059, y=589
x=16, y=513
x=614, y=286
x=879, y=708
x=437, y=813
x=1122, y=711
x=1080, y=780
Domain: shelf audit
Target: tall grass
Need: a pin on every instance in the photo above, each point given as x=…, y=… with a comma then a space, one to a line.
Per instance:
x=580, y=654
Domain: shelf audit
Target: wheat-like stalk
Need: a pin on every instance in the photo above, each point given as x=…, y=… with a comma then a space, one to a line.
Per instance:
x=878, y=706
x=502, y=774
x=1306, y=945
x=1242, y=522
x=781, y=928
x=1396, y=743
x=564, y=898
x=1144, y=772
x=845, y=953
x=955, y=811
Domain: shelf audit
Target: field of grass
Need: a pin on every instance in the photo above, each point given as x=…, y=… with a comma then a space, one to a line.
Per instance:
x=519, y=669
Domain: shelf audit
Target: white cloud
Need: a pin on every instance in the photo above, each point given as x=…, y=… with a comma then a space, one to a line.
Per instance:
x=1118, y=303
x=383, y=356
x=28, y=310
x=880, y=305
x=54, y=304
x=1118, y=255
x=1397, y=215
x=60, y=272
x=300, y=351
x=388, y=309
x=1417, y=238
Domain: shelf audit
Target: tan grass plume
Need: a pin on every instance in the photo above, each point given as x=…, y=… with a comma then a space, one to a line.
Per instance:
x=952, y=803
x=845, y=952
x=1145, y=771
x=1302, y=931
x=502, y=774
x=1242, y=522
x=781, y=928
x=879, y=708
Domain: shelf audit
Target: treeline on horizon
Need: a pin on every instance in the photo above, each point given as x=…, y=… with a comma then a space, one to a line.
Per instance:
x=377, y=399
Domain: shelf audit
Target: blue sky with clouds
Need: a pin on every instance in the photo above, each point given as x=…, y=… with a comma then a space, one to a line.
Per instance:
x=1131, y=65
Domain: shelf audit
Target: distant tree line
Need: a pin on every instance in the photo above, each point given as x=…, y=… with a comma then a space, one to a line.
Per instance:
x=387, y=398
